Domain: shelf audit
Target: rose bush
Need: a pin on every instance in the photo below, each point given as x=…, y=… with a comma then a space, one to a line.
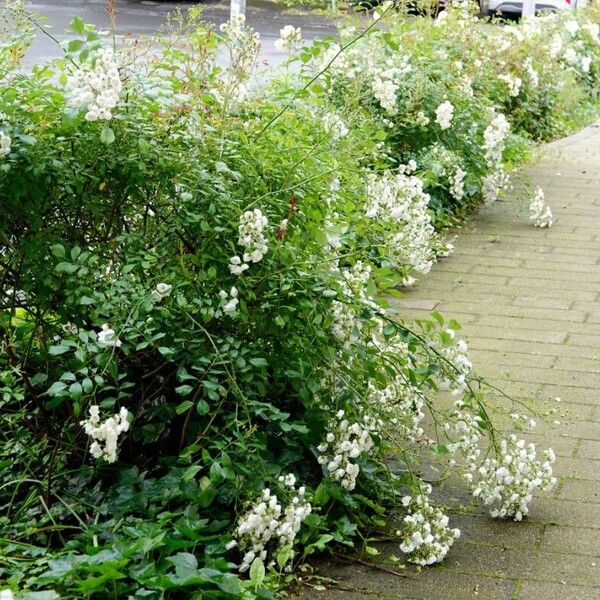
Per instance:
x=199, y=376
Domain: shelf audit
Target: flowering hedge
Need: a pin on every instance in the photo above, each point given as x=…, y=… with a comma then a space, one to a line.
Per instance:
x=200, y=383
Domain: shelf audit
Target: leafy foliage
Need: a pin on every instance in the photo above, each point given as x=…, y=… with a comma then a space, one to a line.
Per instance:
x=118, y=292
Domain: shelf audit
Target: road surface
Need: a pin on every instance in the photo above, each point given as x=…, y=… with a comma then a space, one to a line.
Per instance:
x=144, y=17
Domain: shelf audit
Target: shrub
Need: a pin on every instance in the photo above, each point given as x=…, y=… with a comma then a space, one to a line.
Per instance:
x=198, y=375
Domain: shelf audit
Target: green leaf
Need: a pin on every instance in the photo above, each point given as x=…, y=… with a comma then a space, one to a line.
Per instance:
x=87, y=385
x=58, y=250
x=185, y=564
x=284, y=556
x=257, y=572
x=259, y=362
x=74, y=45
x=43, y=595
x=184, y=407
x=66, y=267
x=107, y=135
x=56, y=388
x=57, y=350
x=202, y=408
x=191, y=472
x=184, y=390
x=77, y=25
x=436, y=315
x=75, y=390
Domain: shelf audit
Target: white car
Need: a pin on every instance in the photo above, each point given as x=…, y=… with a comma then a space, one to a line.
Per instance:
x=513, y=8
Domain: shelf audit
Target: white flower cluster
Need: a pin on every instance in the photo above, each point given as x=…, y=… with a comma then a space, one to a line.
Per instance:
x=514, y=83
x=96, y=87
x=402, y=404
x=335, y=125
x=106, y=434
x=426, y=536
x=493, y=139
x=234, y=28
x=593, y=30
x=457, y=184
x=444, y=114
x=555, y=45
x=400, y=199
x=509, y=481
x=353, y=284
x=5, y=144
x=107, y=337
x=231, y=300
x=252, y=239
x=385, y=82
x=458, y=355
x=290, y=37
x=540, y=212
x=532, y=74
x=267, y=521
x=493, y=145
x=161, y=291
x=243, y=45
x=344, y=443
x=6, y=595
x=493, y=183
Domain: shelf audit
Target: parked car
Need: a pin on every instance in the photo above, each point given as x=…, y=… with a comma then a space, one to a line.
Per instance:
x=512, y=8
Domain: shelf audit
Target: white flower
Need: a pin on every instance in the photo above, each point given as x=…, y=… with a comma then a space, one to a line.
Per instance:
x=267, y=527
x=422, y=119
x=105, y=435
x=107, y=337
x=252, y=239
x=493, y=139
x=5, y=144
x=348, y=442
x=161, y=291
x=586, y=62
x=593, y=30
x=457, y=185
x=335, y=125
x=444, y=114
x=6, y=595
x=507, y=482
x=400, y=200
x=232, y=300
x=236, y=266
x=540, y=212
x=514, y=83
x=96, y=87
x=572, y=26
x=570, y=55
x=289, y=38
x=555, y=46
x=386, y=79
x=426, y=537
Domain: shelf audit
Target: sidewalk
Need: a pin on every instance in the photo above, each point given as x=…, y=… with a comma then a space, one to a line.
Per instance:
x=529, y=303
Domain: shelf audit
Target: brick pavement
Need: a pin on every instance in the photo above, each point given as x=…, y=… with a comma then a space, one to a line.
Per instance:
x=529, y=303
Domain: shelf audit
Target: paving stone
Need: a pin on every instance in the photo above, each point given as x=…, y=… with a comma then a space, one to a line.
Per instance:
x=589, y=449
x=536, y=590
x=572, y=540
x=358, y=582
x=578, y=489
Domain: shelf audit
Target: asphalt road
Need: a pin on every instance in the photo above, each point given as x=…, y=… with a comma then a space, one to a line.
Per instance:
x=144, y=17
